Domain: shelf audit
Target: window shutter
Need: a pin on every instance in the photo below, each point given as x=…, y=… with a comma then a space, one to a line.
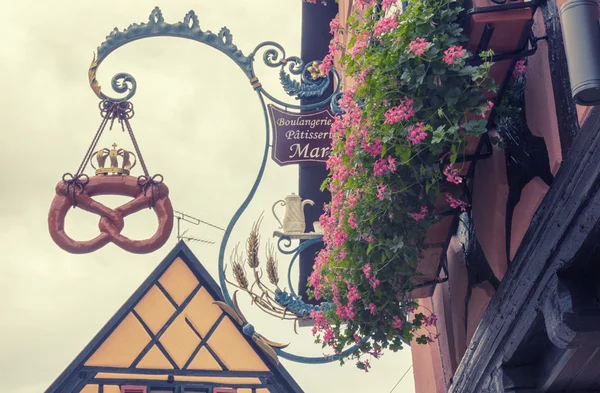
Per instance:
x=224, y=390
x=133, y=389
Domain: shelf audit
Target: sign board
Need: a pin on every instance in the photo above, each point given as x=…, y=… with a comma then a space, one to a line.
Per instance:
x=300, y=137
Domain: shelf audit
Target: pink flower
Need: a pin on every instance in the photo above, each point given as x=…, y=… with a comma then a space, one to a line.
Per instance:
x=349, y=146
x=369, y=239
x=364, y=3
x=367, y=270
x=326, y=64
x=344, y=312
x=385, y=25
x=374, y=149
x=398, y=324
x=456, y=203
x=374, y=282
x=381, y=190
x=334, y=25
x=315, y=283
x=376, y=351
x=362, y=76
x=418, y=46
x=365, y=365
x=453, y=53
x=386, y=4
x=416, y=133
x=520, y=68
x=353, y=199
x=353, y=293
x=391, y=164
x=403, y=111
x=352, y=221
x=429, y=320
x=451, y=174
x=487, y=110
x=360, y=44
x=328, y=337
x=380, y=167
x=421, y=215
x=321, y=324
x=372, y=308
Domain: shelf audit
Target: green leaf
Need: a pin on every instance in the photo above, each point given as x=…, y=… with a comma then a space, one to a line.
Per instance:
x=454, y=154
x=467, y=70
x=476, y=127
x=438, y=134
x=397, y=244
x=439, y=70
x=452, y=95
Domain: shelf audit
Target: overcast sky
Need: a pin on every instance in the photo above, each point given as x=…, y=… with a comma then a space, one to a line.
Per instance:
x=198, y=122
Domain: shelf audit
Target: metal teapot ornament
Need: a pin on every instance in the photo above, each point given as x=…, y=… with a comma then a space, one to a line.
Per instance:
x=293, y=220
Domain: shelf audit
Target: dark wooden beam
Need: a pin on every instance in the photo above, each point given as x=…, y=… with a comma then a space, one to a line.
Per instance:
x=566, y=111
x=315, y=45
x=566, y=217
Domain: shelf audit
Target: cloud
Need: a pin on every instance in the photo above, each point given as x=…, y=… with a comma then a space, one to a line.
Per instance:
x=198, y=123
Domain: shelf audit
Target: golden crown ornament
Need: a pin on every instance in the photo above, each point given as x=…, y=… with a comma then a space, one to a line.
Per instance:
x=114, y=155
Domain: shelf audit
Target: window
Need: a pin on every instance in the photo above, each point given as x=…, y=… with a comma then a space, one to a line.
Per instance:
x=133, y=389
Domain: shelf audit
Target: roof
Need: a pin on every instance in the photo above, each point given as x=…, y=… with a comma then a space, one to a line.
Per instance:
x=170, y=333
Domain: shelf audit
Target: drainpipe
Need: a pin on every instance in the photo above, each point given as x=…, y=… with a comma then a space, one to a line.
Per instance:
x=581, y=34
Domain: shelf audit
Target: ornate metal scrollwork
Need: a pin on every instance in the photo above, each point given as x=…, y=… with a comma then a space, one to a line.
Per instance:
x=155, y=27
x=312, y=84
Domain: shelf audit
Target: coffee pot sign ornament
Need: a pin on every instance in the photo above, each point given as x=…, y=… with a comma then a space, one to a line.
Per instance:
x=299, y=80
x=293, y=220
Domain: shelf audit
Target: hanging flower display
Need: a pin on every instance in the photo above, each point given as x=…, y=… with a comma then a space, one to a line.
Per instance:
x=418, y=95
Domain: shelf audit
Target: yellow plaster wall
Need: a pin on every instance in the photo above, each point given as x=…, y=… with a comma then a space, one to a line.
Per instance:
x=178, y=280
x=233, y=349
x=180, y=341
x=127, y=341
x=157, y=377
x=164, y=377
x=154, y=309
x=204, y=361
x=229, y=381
x=154, y=359
x=90, y=389
x=122, y=347
x=107, y=389
x=202, y=312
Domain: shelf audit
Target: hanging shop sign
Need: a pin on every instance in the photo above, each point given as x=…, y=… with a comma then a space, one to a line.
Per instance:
x=300, y=137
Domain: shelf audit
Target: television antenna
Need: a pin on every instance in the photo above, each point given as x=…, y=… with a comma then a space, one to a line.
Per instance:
x=194, y=221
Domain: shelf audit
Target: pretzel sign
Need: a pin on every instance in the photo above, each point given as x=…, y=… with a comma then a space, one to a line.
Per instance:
x=112, y=221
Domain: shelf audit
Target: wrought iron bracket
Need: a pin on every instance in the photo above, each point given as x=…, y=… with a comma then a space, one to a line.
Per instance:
x=311, y=84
